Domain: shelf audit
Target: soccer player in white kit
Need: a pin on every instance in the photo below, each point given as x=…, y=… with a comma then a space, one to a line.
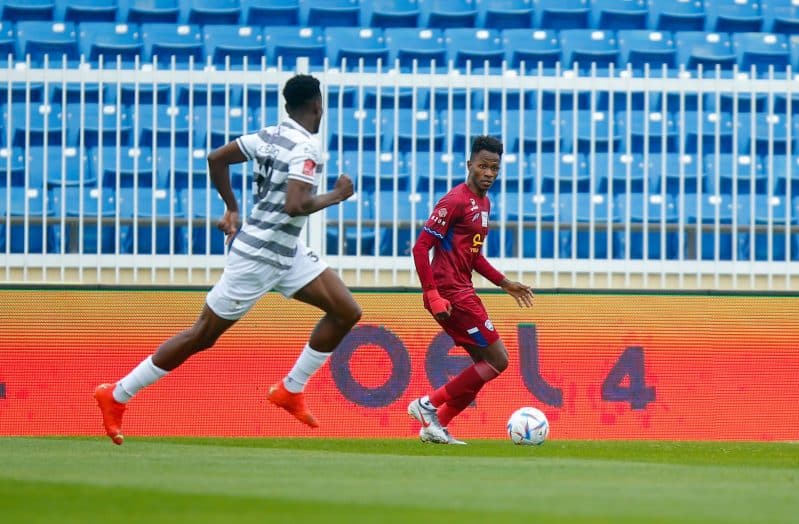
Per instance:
x=266, y=254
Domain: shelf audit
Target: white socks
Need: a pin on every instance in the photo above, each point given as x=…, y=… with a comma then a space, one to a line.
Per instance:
x=142, y=376
x=306, y=365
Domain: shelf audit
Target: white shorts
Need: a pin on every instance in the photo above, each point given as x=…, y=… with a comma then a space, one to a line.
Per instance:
x=244, y=281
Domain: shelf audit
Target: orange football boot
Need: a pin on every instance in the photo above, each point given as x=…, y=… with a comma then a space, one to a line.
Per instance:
x=112, y=412
x=294, y=403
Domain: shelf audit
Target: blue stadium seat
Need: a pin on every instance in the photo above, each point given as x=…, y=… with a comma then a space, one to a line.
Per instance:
x=236, y=42
x=8, y=43
x=165, y=126
x=619, y=14
x=93, y=204
x=649, y=131
x=358, y=129
x=23, y=239
x=327, y=13
x=535, y=213
x=733, y=16
x=12, y=167
x=676, y=15
x=594, y=131
x=770, y=134
x=761, y=210
x=641, y=47
x=563, y=172
x=761, y=51
x=585, y=47
x=398, y=212
x=715, y=133
x=506, y=14
x=223, y=125
x=343, y=219
x=206, y=207
x=626, y=172
x=531, y=46
x=286, y=44
x=184, y=167
x=206, y=12
x=68, y=166
x=785, y=171
x=165, y=41
x=435, y=172
x=108, y=123
x=81, y=11
x=726, y=173
x=447, y=14
x=780, y=16
x=151, y=11
x=202, y=95
x=150, y=210
x=52, y=39
x=475, y=46
x=647, y=215
x=575, y=212
x=541, y=132
x=407, y=45
x=355, y=46
x=562, y=14
x=270, y=12
x=368, y=168
x=464, y=125
x=35, y=124
x=17, y=10
x=128, y=167
x=712, y=213
x=110, y=40
x=708, y=50
x=420, y=129
x=391, y=13
x=674, y=172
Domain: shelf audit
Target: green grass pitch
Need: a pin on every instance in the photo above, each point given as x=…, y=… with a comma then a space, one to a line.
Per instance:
x=172, y=481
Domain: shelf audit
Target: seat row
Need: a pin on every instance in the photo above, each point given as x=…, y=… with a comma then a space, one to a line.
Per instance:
x=353, y=47
x=711, y=15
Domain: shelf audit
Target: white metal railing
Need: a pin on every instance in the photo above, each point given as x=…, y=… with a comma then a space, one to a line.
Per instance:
x=585, y=188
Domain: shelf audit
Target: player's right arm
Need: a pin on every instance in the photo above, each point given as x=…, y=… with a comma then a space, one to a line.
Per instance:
x=435, y=228
x=219, y=162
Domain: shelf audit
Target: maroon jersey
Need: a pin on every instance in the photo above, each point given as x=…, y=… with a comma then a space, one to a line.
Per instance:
x=460, y=221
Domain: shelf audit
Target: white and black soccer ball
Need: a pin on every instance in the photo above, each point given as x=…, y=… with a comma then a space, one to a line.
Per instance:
x=528, y=427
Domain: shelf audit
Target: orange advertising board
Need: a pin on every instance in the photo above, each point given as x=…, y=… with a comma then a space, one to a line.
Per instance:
x=600, y=365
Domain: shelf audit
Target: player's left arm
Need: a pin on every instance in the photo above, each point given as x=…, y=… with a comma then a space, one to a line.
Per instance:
x=304, y=174
x=521, y=292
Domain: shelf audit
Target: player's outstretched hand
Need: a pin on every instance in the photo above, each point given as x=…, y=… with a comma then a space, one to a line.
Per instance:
x=229, y=224
x=522, y=293
x=343, y=187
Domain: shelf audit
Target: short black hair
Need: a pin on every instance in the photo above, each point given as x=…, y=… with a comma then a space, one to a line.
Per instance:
x=300, y=90
x=487, y=143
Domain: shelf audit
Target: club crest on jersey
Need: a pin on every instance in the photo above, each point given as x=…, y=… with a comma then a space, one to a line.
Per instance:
x=309, y=168
x=442, y=212
x=473, y=204
x=489, y=325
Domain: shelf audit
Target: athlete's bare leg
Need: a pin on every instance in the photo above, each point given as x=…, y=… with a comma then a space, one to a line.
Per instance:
x=329, y=293
x=202, y=335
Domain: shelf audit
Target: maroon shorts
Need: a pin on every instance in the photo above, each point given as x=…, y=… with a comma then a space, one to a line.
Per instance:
x=468, y=324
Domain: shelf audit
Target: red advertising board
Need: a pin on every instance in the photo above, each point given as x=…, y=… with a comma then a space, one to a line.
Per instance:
x=601, y=366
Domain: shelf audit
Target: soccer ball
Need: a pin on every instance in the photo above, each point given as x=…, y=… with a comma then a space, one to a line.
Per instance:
x=528, y=427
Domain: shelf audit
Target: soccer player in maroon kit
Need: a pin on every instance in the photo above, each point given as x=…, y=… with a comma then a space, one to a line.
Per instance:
x=456, y=230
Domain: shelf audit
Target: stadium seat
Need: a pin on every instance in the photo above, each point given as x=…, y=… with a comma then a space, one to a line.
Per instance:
x=368, y=168
x=206, y=12
x=270, y=12
x=561, y=172
x=676, y=15
x=109, y=124
x=534, y=214
x=617, y=15
x=585, y=47
x=423, y=46
x=770, y=135
x=35, y=124
x=467, y=47
x=234, y=43
x=81, y=11
x=110, y=40
x=708, y=132
x=506, y=14
x=54, y=40
x=447, y=14
x=576, y=212
x=675, y=173
x=754, y=214
x=712, y=214
x=398, y=212
x=151, y=12
x=205, y=206
x=562, y=14
x=223, y=125
x=57, y=166
x=708, y=50
x=435, y=172
x=390, y=13
x=164, y=126
x=728, y=174
x=128, y=167
x=531, y=46
x=651, y=131
x=352, y=129
x=164, y=42
x=18, y=10
x=641, y=47
x=780, y=16
x=648, y=217
x=420, y=129
x=12, y=168
x=358, y=238
x=8, y=43
x=760, y=51
x=327, y=13
x=149, y=211
x=93, y=204
x=285, y=44
x=464, y=125
x=540, y=133
x=625, y=172
x=733, y=16
x=24, y=239
x=355, y=46
x=592, y=131
x=183, y=168
x=785, y=171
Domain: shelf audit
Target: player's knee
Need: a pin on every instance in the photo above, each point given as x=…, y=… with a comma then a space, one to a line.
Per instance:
x=500, y=363
x=350, y=316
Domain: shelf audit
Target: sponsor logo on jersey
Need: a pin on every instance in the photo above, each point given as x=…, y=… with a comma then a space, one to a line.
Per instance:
x=309, y=168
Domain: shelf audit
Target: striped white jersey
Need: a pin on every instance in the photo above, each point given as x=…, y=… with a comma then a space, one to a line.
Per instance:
x=281, y=153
